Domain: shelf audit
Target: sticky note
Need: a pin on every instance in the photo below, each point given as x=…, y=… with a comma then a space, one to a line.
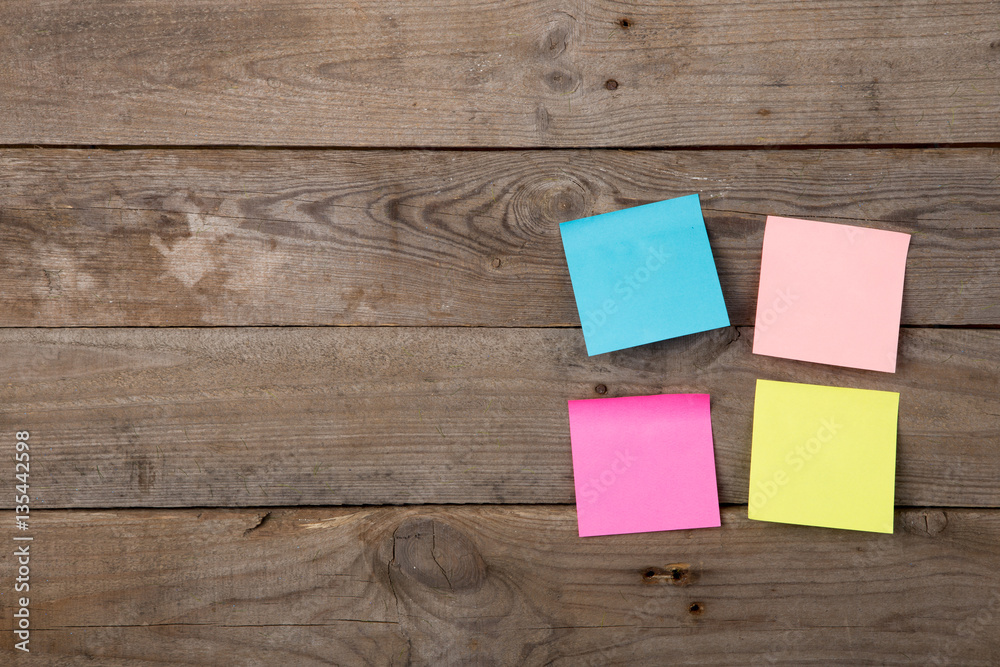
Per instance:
x=643, y=463
x=823, y=456
x=643, y=274
x=830, y=294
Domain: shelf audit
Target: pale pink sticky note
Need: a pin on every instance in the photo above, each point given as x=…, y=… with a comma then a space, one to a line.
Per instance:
x=643, y=463
x=830, y=294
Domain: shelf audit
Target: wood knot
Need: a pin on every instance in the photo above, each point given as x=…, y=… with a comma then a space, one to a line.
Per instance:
x=625, y=23
x=540, y=204
x=559, y=33
x=562, y=202
x=437, y=555
x=696, y=608
x=555, y=42
x=562, y=81
x=675, y=574
x=611, y=84
x=925, y=522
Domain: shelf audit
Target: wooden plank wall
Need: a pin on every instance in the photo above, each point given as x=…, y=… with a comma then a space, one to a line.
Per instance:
x=453, y=238
x=284, y=307
x=490, y=74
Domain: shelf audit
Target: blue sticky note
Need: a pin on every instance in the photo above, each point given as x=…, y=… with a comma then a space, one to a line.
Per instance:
x=643, y=274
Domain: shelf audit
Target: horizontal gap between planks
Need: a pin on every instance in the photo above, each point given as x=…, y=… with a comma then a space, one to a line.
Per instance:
x=505, y=149
x=410, y=326
x=279, y=508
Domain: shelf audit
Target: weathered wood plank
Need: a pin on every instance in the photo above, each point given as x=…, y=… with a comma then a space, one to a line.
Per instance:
x=150, y=238
x=286, y=416
x=539, y=73
x=463, y=585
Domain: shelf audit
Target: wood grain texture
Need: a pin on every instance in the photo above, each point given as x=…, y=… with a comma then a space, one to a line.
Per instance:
x=538, y=73
x=246, y=237
x=503, y=586
x=318, y=416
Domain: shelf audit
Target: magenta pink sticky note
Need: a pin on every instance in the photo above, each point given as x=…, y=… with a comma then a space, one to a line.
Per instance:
x=830, y=294
x=643, y=463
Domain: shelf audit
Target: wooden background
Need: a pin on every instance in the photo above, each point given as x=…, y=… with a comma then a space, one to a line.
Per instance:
x=285, y=310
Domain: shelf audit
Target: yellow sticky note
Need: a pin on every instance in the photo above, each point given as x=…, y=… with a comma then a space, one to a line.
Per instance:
x=823, y=456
